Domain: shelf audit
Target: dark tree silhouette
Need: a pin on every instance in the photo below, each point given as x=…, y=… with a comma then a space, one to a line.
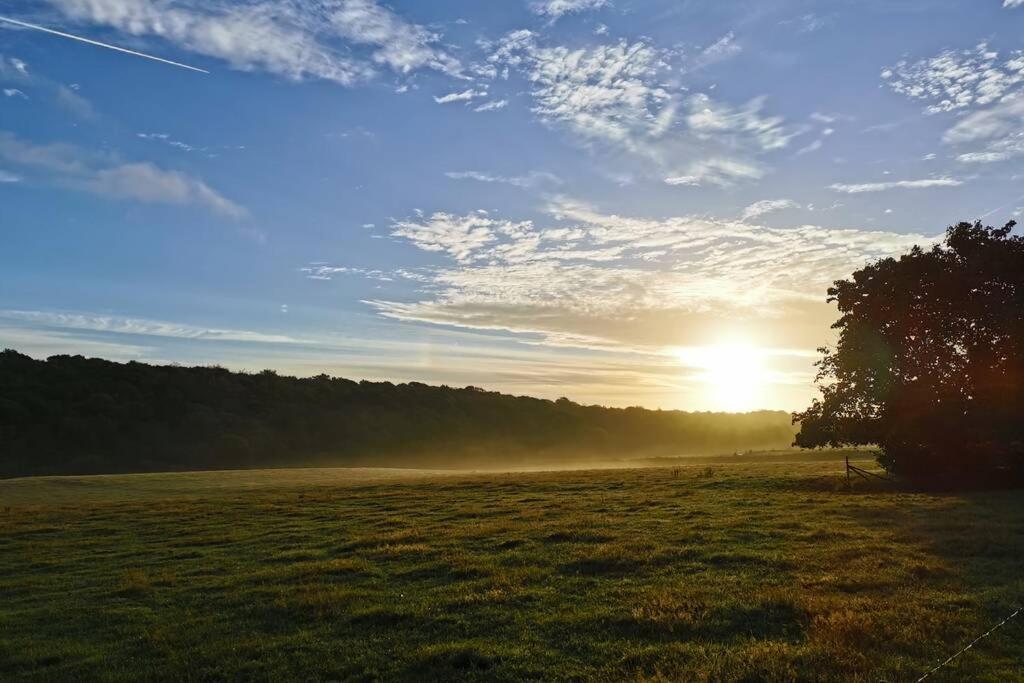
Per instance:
x=929, y=365
x=74, y=415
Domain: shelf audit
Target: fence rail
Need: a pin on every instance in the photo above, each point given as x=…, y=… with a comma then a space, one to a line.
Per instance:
x=863, y=474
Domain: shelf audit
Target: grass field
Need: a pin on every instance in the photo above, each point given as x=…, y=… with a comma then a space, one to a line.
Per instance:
x=725, y=571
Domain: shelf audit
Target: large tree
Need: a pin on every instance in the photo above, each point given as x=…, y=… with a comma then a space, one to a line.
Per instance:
x=929, y=363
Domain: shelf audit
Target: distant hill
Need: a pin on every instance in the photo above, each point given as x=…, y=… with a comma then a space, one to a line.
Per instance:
x=76, y=415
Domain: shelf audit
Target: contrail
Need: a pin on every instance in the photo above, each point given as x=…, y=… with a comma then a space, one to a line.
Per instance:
x=25, y=24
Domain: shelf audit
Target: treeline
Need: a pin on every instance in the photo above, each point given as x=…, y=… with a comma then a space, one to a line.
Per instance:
x=76, y=415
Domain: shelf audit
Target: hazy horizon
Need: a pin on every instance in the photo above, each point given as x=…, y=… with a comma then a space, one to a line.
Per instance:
x=624, y=203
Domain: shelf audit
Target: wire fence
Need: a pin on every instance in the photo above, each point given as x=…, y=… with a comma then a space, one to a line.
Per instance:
x=971, y=644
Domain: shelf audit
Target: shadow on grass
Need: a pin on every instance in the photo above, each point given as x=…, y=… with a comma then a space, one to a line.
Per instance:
x=968, y=548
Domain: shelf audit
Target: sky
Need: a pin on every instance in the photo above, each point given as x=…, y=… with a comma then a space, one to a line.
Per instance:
x=625, y=202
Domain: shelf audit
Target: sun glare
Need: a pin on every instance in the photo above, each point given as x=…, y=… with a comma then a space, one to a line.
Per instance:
x=732, y=375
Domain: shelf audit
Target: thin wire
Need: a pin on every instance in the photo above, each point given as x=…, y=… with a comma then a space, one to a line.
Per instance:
x=984, y=635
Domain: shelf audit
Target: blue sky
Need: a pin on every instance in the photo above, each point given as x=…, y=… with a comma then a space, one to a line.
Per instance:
x=623, y=202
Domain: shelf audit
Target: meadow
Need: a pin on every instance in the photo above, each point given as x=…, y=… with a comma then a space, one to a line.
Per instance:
x=728, y=570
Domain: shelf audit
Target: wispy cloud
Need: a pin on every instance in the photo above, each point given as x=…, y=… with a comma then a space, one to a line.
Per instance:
x=145, y=182
x=141, y=327
x=450, y=357
x=627, y=96
x=999, y=130
x=341, y=41
x=400, y=45
x=722, y=49
x=739, y=125
x=896, y=184
x=97, y=43
x=463, y=96
x=15, y=72
x=607, y=92
x=531, y=179
x=461, y=237
x=168, y=140
x=766, y=206
x=957, y=79
x=255, y=36
x=71, y=166
x=721, y=172
x=986, y=88
x=808, y=23
x=608, y=281
x=493, y=105
x=554, y=9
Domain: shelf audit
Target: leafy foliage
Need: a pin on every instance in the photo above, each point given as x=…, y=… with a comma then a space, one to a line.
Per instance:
x=71, y=414
x=930, y=361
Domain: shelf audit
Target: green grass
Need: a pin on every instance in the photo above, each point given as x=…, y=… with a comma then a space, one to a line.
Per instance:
x=732, y=571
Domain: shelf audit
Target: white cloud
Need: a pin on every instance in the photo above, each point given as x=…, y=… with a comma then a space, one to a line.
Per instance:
x=720, y=50
x=956, y=80
x=72, y=101
x=6, y=177
x=813, y=146
x=626, y=96
x=767, y=206
x=145, y=182
x=42, y=343
x=464, y=96
x=168, y=140
x=298, y=41
x=999, y=129
x=140, y=326
x=709, y=118
x=324, y=271
x=274, y=37
x=604, y=93
x=982, y=157
x=494, y=105
x=600, y=280
x=461, y=237
x=402, y=46
x=896, y=184
x=531, y=179
x=997, y=121
x=1013, y=3
x=722, y=172
x=808, y=23
x=554, y=9
x=15, y=72
x=456, y=358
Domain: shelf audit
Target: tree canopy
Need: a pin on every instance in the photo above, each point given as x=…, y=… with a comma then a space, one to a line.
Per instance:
x=929, y=363
x=71, y=415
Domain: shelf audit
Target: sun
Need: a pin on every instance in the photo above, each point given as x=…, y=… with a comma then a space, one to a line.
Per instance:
x=732, y=375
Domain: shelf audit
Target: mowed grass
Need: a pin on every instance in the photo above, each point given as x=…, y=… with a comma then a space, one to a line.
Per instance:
x=757, y=572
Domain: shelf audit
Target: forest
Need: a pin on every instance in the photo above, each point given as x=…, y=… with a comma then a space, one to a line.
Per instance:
x=76, y=415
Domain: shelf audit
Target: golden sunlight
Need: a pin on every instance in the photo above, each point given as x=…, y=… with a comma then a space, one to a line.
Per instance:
x=733, y=375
